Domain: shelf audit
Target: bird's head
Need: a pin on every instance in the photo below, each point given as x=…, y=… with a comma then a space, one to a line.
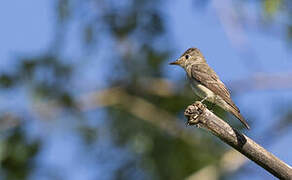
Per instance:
x=191, y=56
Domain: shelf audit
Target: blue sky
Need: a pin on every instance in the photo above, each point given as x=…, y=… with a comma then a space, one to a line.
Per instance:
x=27, y=28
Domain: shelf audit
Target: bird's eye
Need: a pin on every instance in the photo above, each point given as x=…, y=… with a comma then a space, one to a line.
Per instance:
x=187, y=56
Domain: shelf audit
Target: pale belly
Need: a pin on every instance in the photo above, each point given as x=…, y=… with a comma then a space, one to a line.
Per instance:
x=201, y=91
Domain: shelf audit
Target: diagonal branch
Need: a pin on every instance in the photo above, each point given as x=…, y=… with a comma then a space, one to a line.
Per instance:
x=198, y=115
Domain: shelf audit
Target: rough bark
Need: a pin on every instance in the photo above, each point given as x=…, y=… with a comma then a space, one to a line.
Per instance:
x=200, y=116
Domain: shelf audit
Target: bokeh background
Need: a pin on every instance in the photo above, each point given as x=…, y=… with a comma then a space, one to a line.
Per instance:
x=87, y=93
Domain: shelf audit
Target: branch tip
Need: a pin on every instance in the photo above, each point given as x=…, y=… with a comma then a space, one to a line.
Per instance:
x=193, y=112
x=198, y=115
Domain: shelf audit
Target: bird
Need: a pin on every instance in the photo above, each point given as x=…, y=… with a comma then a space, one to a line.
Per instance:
x=206, y=83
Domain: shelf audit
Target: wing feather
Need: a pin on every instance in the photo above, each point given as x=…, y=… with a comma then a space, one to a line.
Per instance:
x=207, y=77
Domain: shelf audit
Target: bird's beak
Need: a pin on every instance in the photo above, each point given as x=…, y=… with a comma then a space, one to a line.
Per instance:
x=175, y=63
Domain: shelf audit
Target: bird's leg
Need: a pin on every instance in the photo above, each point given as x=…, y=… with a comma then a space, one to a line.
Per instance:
x=204, y=99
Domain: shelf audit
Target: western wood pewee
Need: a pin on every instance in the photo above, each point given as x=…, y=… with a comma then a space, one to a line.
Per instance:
x=205, y=82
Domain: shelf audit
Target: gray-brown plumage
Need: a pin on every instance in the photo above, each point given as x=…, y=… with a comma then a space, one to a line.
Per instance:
x=205, y=82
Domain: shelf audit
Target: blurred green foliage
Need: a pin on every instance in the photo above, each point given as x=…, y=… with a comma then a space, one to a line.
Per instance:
x=18, y=155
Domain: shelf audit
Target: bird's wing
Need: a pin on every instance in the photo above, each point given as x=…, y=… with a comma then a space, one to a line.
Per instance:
x=207, y=77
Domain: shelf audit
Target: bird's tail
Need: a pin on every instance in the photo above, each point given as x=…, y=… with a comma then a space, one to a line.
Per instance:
x=240, y=117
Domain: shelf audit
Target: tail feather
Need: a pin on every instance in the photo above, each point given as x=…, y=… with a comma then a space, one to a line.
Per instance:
x=240, y=117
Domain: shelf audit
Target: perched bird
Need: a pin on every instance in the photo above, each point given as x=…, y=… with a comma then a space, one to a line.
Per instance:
x=205, y=82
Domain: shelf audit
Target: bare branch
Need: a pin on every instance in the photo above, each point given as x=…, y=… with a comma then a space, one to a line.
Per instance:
x=199, y=115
